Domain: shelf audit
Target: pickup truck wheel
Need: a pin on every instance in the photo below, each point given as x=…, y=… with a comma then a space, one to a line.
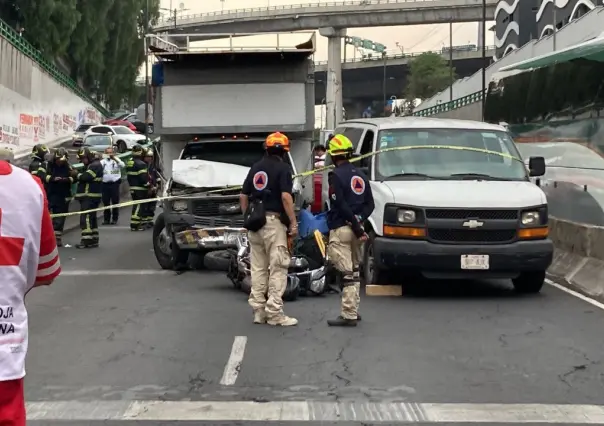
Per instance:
x=529, y=282
x=168, y=256
x=369, y=273
x=218, y=260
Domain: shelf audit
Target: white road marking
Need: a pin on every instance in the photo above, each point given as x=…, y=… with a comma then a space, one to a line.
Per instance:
x=114, y=272
x=233, y=365
x=393, y=412
x=576, y=294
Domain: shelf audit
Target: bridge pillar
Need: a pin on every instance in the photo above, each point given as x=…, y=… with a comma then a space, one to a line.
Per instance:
x=333, y=96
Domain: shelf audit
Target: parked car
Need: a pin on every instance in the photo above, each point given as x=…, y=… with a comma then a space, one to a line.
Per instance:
x=78, y=135
x=140, y=125
x=97, y=142
x=124, y=138
x=125, y=124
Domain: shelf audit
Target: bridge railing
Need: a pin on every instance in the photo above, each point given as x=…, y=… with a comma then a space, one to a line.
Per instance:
x=200, y=16
x=25, y=47
x=451, y=105
x=402, y=55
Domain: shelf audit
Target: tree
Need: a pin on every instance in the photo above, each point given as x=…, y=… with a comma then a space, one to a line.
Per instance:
x=429, y=73
x=101, y=39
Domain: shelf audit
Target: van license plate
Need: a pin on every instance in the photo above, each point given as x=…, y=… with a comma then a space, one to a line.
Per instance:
x=475, y=261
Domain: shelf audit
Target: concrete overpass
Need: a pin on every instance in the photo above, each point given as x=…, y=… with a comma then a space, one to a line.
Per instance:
x=340, y=14
x=363, y=81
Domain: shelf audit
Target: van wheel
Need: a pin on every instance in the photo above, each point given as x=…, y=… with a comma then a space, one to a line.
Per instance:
x=167, y=254
x=369, y=273
x=529, y=282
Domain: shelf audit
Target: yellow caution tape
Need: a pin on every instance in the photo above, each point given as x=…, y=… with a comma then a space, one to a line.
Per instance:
x=304, y=174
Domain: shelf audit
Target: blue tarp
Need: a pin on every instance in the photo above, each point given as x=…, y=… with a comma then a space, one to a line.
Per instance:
x=308, y=223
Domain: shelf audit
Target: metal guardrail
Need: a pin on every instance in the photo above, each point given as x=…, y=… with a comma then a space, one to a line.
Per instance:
x=170, y=20
x=23, y=46
x=400, y=55
x=451, y=105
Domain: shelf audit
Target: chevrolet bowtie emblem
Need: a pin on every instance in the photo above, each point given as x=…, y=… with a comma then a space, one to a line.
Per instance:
x=473, y=224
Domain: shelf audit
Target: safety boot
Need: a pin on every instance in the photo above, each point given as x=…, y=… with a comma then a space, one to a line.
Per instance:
x=84, y=244
x=342, y=322
x=259, y=317
x=283, y=321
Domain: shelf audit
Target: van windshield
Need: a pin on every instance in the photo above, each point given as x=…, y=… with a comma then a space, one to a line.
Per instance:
x=440, y=163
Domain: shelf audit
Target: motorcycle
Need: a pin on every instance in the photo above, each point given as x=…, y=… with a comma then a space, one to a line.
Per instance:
x=301, y=280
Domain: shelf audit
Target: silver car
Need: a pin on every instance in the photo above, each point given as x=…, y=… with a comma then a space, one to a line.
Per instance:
x=98, y=143
x=78, y=137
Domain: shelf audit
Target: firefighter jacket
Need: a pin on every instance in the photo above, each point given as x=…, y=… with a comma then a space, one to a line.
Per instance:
x=138, y=174
x=59, y=182
x=90, y=181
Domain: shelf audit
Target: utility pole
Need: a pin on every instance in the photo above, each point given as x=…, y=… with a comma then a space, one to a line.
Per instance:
x=146, y=71
x=484, y=54
x=384, y=82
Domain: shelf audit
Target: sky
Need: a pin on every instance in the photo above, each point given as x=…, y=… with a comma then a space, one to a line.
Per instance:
x=407, y=39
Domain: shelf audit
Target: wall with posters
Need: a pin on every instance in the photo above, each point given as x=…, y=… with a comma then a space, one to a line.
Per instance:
x=34, y=108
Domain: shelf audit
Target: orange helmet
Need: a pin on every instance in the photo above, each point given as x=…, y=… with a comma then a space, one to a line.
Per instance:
x=277, y=140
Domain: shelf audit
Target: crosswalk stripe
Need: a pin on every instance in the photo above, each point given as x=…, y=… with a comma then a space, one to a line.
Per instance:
x=390, y=412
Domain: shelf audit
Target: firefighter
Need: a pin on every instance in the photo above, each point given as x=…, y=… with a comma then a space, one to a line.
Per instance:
x=59, y=181
x=152, y=179
x=39, y=162
x=138, y=179
x=351, y=203
x=267, y=189
x=88, y=193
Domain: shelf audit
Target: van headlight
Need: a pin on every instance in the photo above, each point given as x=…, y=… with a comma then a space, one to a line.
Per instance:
x=530, y=218
x=179, y=205
x=405, y=216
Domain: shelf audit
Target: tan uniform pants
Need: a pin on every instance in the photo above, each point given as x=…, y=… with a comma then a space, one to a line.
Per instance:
x=270, y=261
x=344, y=251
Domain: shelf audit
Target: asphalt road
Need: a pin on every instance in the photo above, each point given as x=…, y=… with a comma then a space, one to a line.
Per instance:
x=116, y=338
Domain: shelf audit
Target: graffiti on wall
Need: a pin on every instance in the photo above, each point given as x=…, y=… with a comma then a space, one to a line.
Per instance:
x=26, y=129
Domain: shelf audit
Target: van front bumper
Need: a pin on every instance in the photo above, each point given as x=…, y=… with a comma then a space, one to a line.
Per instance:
x=444, y=260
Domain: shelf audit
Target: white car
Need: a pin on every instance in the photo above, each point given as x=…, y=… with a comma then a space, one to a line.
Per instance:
x=125, y=139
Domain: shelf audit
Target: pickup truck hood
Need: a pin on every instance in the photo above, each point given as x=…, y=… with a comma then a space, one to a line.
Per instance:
x=465, y=193
x=207, y=174
x=211, y=174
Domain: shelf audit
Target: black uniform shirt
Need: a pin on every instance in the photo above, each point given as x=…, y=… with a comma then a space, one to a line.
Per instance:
x=268, y=179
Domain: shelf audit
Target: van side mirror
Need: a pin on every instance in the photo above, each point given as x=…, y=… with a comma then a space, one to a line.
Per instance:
x=536, y=166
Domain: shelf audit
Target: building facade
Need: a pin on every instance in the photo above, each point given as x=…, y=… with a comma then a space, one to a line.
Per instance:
x=518, y=22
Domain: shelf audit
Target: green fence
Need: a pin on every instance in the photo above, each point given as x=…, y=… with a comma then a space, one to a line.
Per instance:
x=34, y=54
x=451, y=105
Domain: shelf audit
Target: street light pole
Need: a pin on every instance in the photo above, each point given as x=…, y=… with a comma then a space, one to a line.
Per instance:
x=451, y=61
x=384, y=84
x=484, y=54
x=146, y=71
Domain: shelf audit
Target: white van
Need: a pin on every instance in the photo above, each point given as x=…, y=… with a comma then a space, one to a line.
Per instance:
x=450, y=213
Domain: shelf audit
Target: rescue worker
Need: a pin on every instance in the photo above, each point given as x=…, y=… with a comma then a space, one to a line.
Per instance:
x=112, y=179
x=152, y=179
x=39, y=162
x=138, y=179
x=269, y=186
x=351, y=203
x=59, y=181
x=88, y=193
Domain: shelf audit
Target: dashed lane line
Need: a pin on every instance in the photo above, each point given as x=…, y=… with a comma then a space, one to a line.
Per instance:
x=310, y=411
x=233, y=365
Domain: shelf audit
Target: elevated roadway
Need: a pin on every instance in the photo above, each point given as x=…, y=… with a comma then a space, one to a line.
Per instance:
x=342, y=14
x=363, y=81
